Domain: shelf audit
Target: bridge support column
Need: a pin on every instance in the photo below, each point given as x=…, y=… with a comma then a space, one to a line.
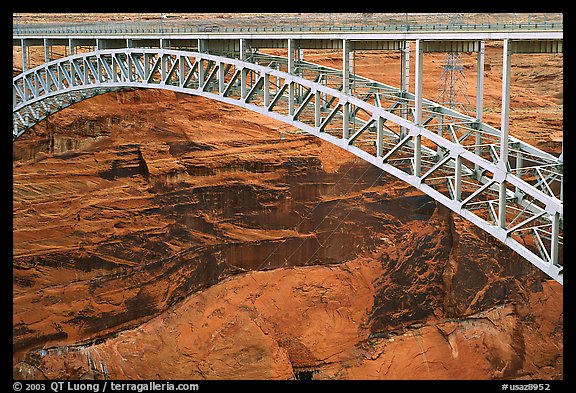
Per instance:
x=404, y=83
x=418, y=107
x=164, y=67
x=298, y=65
x=379, y=137
x=418, y=84
x=291, y=48
x=346, y=120
x=458, y=179
x=182, y=71
x=200, y=62
x=480, y=83
x=266, y=90
x=73, y=73
x=345, y=66
x=243, y=82
x=24, y=57
x=202, y=45
x=71, y=46
x=506, y=68
x=46, y=50
x=503, y=163
x=242, y=45
x=440, y=118
x=479, y=104
x=324, y=82
x=554, y=249
x=562, y=189
x=345, y=87
x=417, y=154
x=317, y=108
x=561, y=161
x=405, y=67
x=519, y=163
x=502, y=204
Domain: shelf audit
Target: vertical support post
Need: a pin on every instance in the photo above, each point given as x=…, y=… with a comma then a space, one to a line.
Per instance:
x=163, y=67
x=46, y=51
x=276, y=84
x=458, y=180
x=291, y=72
x=418, y=107
x=561, y=162
x=479, y=104
x=418, y=83
x=379, y=137
x=71, y=46
x=317, y=107
x=146, y=67
x=503, y=163
x=323, y=82
x=404, y=83
x=417, y=154
x=24, y=60
x=562, y=188
x=405, y=67
x=351, y=115
x=440, y=118
x=242, y=49
x=506, y=68
x=202, y=46
x=351, y=70
x=345, y=87
x=345, y=66
x=298, y=65
x=346, y=120
x=73, y=72
x=200, y=62
x=99, y=71
x=243, y=88
x=181, y=70
x=221, y=77
x=128, y=68
x=502, y=204
x=480, y=83
x=519, y=163
x=266, y=90
x=554, y=249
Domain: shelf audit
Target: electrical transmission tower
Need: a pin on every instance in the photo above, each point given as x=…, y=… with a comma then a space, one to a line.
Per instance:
x=452, y=90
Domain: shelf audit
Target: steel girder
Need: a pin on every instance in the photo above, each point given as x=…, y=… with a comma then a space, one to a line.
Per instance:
x=450, y=156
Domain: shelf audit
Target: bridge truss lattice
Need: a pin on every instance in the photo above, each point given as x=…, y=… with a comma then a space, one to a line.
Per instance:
x=452, y=157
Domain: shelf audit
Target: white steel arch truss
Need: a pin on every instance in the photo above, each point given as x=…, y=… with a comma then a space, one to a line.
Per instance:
x=449, y=156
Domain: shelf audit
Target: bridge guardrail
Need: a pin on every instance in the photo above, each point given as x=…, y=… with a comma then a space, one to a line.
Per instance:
x=161, y=28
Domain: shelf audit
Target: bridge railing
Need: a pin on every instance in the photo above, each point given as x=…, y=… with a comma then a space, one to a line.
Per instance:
x=407, y=23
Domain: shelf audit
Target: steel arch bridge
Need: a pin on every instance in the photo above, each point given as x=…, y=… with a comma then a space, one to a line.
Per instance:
x=506, y=187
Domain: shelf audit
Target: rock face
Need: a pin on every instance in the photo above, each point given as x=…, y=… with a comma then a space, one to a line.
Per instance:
x=165, y=236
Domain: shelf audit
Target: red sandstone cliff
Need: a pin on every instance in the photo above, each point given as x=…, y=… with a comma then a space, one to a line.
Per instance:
x=166, y=236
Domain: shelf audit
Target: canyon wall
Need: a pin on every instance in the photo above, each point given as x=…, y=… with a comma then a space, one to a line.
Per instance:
x=159, y=235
